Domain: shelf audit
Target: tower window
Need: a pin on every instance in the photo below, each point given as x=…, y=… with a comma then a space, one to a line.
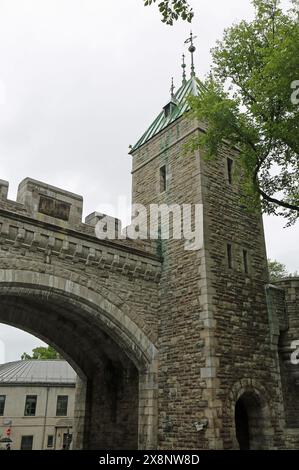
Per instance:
x=229, y=255
x=230, y=164
x=245, y=261
x=163, y=179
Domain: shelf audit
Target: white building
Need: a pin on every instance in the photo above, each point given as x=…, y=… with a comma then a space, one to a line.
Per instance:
x=37, y=404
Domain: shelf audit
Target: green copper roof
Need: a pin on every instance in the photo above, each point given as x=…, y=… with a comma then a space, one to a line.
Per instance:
x=179, y=106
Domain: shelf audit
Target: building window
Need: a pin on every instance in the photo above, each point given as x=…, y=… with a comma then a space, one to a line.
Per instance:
x=2, y=404
x=245, y=261
x=163, y=179
x=50, y=441
x=26, y=442
x=30, y=405
x=230, y=164
x=61, y=409
x=229, y=255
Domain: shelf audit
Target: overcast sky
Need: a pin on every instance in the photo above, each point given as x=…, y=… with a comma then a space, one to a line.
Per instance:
x=80, y=80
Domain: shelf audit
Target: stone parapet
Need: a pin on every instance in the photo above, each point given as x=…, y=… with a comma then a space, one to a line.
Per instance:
x=28, y=225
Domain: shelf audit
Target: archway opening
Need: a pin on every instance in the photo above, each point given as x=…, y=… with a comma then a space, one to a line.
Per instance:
x=242, y=425
x=107, y=391
x=251, y=422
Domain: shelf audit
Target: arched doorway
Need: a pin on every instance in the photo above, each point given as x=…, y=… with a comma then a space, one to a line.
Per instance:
x=242, y=425
x=251, y=422
x=113, y=358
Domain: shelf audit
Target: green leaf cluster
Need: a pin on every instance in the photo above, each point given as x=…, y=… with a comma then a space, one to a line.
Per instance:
x=247, y=102
x=172, y=10
x=41, y=353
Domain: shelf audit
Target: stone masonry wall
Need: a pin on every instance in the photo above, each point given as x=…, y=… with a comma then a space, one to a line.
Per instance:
x=246, y=361
x=113, y=396
x=214, y=339
x=182, y=342
x=289, y=371
x=95, y=300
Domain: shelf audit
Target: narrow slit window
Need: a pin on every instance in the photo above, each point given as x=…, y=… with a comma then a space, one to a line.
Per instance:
x=229, y=256
x=245, y=261
x=163, y=179
x=230, y=165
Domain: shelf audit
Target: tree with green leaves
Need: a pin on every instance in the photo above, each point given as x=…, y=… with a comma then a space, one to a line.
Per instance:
x=247, y=102
x=278, y=271
x=41, y=353
x=172, y=10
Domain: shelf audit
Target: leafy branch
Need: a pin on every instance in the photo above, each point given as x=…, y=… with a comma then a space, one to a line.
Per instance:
x=172, y=10
x=247, y=102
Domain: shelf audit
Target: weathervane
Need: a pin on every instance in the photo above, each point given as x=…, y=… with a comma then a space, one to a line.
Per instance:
x=191, y=49
x=184, y=69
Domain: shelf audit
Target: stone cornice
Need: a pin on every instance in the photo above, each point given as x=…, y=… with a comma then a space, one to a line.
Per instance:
x=24, y=233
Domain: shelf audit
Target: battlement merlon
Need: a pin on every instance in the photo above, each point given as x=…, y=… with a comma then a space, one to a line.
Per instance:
x=47, y=202
x=3, y=190
x=53, y=205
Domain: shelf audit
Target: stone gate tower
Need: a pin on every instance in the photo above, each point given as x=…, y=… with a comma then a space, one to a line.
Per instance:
x=219, y=374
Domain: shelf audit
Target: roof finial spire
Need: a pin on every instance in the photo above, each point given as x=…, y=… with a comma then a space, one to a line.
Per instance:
x=191, y=49
x=184, y=69
x=172, y=89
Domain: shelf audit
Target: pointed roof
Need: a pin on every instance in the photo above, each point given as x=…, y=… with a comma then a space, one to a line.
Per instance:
x=180, y=106
x=31, y=372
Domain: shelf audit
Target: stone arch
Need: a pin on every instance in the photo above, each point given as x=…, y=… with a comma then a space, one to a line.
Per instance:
x=251, y=416
x=100, y=341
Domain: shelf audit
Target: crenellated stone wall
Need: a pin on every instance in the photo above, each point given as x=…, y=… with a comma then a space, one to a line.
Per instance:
x=94, y=300
x=290, y=371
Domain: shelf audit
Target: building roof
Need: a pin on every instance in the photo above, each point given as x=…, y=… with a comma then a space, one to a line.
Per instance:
x=39, y=372
x=191, y=87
